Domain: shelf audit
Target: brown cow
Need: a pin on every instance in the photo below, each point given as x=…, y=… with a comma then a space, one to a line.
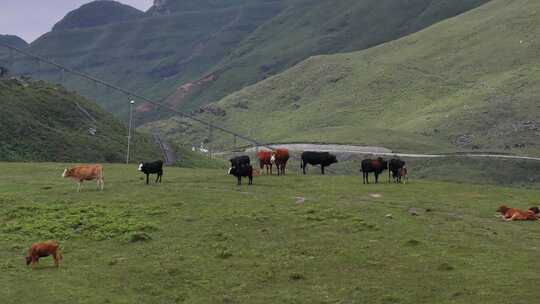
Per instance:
x=87, y=172
x=265, y=160
x=514, y=214
x=44, y=249
x=280, y=158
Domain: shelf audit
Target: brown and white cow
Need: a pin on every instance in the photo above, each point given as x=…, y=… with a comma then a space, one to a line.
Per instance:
x=44, y=249
x=85, y=172
x=265, y=160
x=280, y=158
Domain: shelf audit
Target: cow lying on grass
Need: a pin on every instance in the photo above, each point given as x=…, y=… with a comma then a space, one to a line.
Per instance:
x=514, y=214
x=87, y=172
x=152, y=168
x=44, y=249
x=241, y=167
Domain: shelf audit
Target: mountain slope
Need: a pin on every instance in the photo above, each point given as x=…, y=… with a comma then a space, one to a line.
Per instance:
x=150, y=55
x=471, y=82
x=307, y=27
x=97, y=13
x=199, y=51
x=12, y=41
x=41, y=122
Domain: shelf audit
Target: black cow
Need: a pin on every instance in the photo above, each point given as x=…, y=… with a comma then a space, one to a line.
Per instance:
x=394, y=167
x=324, y=159
x=376, y=166
x=240, y=161
x=152, y=168
x=242, y=171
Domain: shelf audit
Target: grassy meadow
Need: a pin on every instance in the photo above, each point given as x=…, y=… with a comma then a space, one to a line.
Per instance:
x=199, y=238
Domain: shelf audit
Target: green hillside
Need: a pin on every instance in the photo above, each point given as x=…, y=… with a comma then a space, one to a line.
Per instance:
x=200, y=51
x=468, y=83
x=42, y=122
x=150, y=55
x=307, y=27
x=97, y=13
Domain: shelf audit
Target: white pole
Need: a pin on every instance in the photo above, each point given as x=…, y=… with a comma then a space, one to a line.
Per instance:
x=129, y=129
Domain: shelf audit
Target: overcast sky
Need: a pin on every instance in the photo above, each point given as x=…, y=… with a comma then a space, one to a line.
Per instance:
x=30, y=19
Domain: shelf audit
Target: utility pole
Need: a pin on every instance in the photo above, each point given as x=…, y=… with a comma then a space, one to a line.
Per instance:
x=131, y=103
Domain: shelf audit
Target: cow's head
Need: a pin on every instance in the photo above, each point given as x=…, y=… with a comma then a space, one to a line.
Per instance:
x=28, y=260
x=333, y=159
x=384, y=163
x=534, y=210
x=273, y=159
x=502, y=209
x=230, y=171
x=141, y=165
x=66, y=172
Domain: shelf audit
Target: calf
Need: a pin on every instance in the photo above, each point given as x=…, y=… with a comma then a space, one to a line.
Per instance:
x=403, y=175
x=280, y=158
x=394, y=167
x=87, y=172
x=265, y=160
x=152, y=168
x=377, y=166
x=514, y=214
x=44, y=249
x=324, y=159
x=242, y=171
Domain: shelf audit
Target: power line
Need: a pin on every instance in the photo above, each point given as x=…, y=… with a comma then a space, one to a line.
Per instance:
x=132, y=94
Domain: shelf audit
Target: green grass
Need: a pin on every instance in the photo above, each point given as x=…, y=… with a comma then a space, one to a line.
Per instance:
x=206, y=240
x=474, y=76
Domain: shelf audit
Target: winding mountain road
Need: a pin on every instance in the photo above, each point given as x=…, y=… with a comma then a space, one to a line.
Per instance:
x=364, y=150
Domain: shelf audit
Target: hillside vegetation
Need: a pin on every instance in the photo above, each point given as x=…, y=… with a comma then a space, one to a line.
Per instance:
x=468, y=83
x=200, y=51
x=42, y=122
x=292, y=239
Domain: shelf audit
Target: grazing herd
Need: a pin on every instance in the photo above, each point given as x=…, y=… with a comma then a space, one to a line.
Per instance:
x=241, y=167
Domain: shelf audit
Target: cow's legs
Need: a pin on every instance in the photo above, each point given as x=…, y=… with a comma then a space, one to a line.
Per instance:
x=239, y=180
x=250, y=180
x=55, y=257
x=79, y=186
x=304, y=168
x=322, y=170
x=157, y=178
x=376, y=178
x=147, y=178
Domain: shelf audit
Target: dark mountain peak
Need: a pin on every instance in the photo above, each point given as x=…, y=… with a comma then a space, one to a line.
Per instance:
x=96, y=13
x=12, y=40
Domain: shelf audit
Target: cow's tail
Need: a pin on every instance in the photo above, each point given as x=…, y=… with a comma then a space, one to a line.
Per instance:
x=302, y=164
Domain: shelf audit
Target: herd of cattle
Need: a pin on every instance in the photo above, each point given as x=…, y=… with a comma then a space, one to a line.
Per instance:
x=241, y=167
